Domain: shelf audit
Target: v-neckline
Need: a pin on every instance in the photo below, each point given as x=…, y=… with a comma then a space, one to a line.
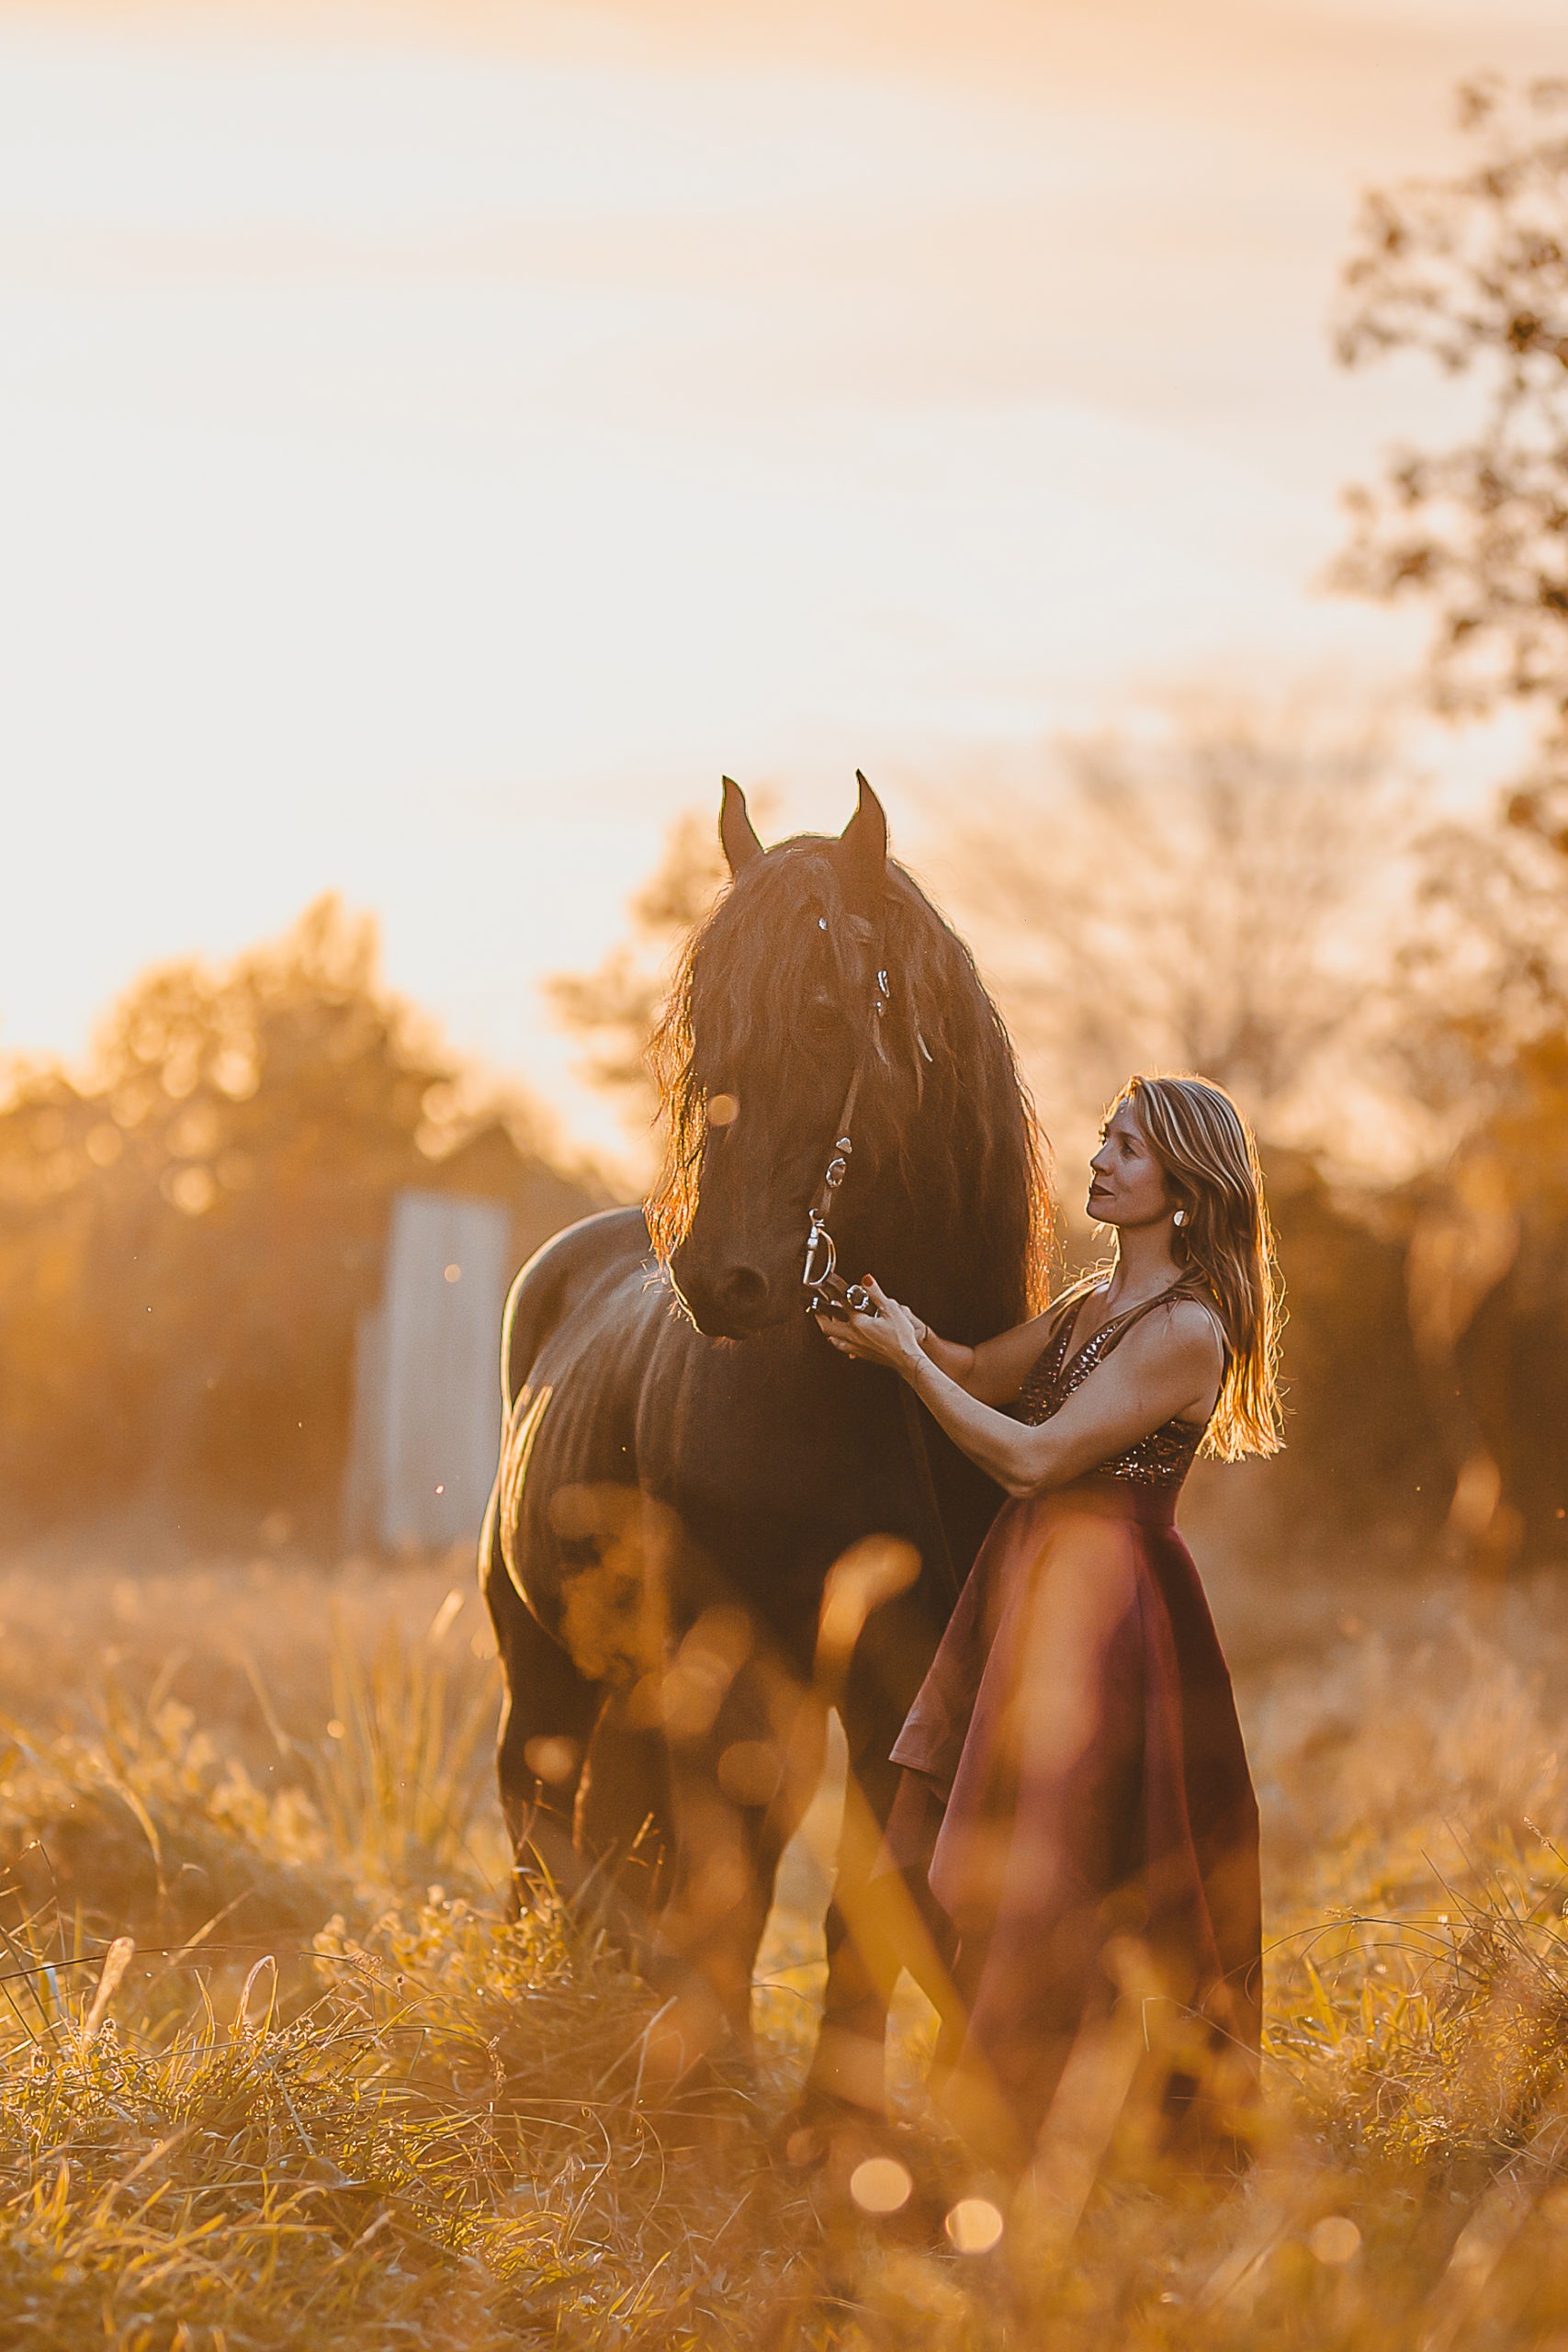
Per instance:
x=1072, y=1354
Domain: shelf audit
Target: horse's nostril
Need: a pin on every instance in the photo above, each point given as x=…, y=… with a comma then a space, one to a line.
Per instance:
x=743, y=1292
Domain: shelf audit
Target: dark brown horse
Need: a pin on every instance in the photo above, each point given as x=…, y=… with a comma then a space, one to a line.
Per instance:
x=686, y=1459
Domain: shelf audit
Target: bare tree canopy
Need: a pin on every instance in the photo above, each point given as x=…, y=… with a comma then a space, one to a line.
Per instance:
x=612, y=1009
x=1472, y=272
x=1211, y=900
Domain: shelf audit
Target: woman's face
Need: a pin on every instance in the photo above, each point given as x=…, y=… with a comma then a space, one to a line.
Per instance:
x=1126, y=1182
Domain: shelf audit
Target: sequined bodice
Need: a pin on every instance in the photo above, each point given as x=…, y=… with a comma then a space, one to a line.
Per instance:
x=1163, y=1458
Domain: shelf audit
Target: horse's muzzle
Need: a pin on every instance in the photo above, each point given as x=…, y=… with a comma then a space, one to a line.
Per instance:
x=734, y=1304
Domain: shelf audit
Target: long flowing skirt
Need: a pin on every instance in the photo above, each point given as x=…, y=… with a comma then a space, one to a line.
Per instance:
x=1076, y=1794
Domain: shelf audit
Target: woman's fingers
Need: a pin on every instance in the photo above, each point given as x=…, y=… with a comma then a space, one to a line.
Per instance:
x=862, y=1334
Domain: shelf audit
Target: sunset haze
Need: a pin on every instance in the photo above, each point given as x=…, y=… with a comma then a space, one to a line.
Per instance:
x=438, y=442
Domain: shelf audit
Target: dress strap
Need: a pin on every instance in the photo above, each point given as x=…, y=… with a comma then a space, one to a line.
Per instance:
x=1064, y=1310
x=1116, y=1330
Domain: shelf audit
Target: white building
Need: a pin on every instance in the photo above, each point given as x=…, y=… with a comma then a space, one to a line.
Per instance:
x=426, y=1427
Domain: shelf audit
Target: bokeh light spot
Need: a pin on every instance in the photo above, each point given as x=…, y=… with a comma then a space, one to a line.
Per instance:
x=881, y=2185
x=234, y=1073
x=551, y=1761
x=723, y=1110
x=974, y=2225
x=192, y=1192
x=1335, y=2239
x=452, y=1273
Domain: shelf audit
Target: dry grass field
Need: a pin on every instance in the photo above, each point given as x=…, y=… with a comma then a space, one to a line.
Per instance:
x=331, y=2097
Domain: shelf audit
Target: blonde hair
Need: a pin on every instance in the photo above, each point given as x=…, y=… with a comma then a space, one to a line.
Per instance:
x=1224, y=1246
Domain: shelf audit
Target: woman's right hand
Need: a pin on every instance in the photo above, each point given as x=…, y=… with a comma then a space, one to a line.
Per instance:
x=886, y=1333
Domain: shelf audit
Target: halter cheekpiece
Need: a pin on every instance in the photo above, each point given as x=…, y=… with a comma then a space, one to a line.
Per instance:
x=822, y=1283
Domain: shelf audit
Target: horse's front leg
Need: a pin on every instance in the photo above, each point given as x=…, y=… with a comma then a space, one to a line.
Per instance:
x=548, y=1715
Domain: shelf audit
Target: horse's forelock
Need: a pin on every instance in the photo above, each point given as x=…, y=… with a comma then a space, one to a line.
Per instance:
x=780, y=932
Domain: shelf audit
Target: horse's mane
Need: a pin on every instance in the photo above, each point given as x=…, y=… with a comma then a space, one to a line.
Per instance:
x=945, y=1120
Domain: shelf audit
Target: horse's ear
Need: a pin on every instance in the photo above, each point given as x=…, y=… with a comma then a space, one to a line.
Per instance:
x=736, y=834
x=862, y=852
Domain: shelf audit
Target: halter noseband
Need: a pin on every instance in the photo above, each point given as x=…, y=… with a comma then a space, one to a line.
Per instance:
x=823, y=1284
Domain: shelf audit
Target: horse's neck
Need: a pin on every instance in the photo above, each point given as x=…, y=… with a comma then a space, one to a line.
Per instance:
x=919, y=1257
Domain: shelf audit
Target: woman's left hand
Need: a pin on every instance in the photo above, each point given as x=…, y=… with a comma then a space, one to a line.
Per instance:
x=890, y=1335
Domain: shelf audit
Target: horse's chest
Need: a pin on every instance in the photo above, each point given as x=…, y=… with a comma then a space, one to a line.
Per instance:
x=662, y=1470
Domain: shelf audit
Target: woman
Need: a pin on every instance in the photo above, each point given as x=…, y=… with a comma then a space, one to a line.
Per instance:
x=1075, y=1792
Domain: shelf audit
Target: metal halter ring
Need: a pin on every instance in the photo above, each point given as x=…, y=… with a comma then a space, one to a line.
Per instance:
x=813, y=1278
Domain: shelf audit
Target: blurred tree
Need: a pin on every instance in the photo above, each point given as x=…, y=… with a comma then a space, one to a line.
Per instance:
x=1472, y=272
x=613, y=1010
x=1201, y=900
x=188, y=1236
x=1227, y=897
x=1365, y=1462
x=1483, y=971
x=1488, y=1277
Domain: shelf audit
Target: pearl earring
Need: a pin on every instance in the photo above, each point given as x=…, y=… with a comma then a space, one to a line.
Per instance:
x=1180, y=1217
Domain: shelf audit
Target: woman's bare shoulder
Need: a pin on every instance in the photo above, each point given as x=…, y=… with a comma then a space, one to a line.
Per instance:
x=1183, y=1328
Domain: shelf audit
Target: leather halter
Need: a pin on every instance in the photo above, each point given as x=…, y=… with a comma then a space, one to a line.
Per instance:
x=822, y=1283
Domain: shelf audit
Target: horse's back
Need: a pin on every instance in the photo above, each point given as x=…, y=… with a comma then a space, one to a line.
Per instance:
x=558, y=1277
x=582, y=1326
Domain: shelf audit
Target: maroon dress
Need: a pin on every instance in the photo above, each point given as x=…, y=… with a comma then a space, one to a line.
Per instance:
x=1076, y=1790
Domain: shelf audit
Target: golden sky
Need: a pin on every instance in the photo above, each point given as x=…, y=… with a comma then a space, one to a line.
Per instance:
x=436, y=440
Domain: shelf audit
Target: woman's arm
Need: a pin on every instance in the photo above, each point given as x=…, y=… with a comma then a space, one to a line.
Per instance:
x=992, y=1372
x=1169, y=1367
x=1002, y=1364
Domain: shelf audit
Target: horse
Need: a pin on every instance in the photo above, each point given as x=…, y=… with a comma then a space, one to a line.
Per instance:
x=698, y=1500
